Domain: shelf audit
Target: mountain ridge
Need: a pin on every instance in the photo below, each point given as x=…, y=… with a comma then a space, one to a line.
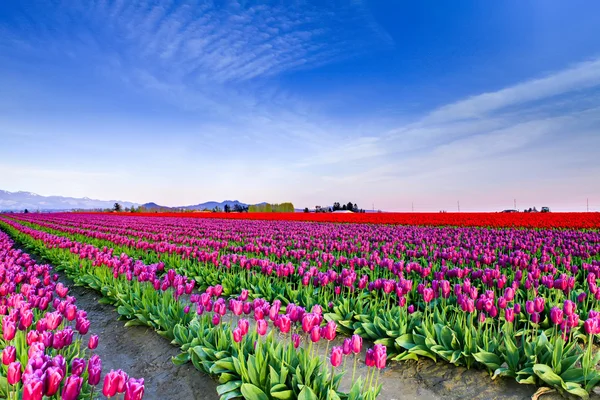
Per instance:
x=21, y=200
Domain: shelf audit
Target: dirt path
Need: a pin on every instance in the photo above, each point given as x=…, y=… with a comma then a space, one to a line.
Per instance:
x=141, y=352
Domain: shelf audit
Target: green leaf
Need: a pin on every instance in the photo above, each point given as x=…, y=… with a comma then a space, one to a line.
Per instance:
x=281, y=391
x=307, y=394
x=181, y=359
x=577, y=390
x=252, y=392
x=573, y=375
x=546, y=374
x=490, y=360
x=406, y=341
x=512, y=356
x=228, y=387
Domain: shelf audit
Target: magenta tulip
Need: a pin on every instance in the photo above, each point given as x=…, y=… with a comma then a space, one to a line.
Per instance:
x=72, y=387
x=134, y=389
x=336, y=356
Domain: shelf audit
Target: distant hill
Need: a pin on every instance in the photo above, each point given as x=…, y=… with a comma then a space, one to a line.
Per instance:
x=212, y=204
x=18, y=201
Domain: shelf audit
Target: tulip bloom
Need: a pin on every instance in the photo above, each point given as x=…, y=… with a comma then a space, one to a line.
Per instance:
x=296, y=340
x=380, y=355
x=569, y=307
x=370, y=358
x=77, y=366
x=329, y=331
x=13, y=375
x=336, y=356
x=9, y=355
x=72, y=387
x=54, y=377
x=347, y=346
x=261, y=327
x=285, y=324
x=315, y=334
x=357, y=343
x=556, y=315
x=243, y=324
x=134, y=389
x=93, y=342
x=94, y=370
x=32, y=390
x=509, y=315
x=237, y=335
x=114, y=382
x=9, y=329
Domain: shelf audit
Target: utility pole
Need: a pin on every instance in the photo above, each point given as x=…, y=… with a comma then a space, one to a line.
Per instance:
x=458, y=204
x=373, y=207
x=515, y=204
x=413, y=206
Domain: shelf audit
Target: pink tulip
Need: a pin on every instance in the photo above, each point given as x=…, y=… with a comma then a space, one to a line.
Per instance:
x=329, y=331
x=9, y=355
x=134, y=389
x=237, y=335
x=296, y=340
x=315, y=334
x=94, y=370
x=336, y=356
x=54, y=377
x=261, y=327
x=285, y=324
x=380, y=355
x=72, y=387
x=93, y=342
x=13, y=376
x=370, y=358
x=243, y=324
x=357, y=343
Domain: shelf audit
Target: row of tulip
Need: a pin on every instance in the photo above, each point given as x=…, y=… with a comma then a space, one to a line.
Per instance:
x=42, y=335
x=589, y=220
x=129, y=286
x=508, y=313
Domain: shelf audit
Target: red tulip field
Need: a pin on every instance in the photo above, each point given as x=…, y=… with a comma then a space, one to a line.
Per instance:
x=303, y=306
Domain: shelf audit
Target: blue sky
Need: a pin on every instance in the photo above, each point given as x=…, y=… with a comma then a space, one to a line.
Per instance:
x=387, y=102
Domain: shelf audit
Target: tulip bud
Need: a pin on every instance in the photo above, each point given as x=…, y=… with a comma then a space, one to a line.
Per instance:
x=261, y=327
x=237, y=335
x=243, y=324
x=134, y=389
x=315, y=334
x=296, y=340
x=77, y=366
x=93, y=342
x=285, y=324
x=13, y=376
x=94, y=370
x=9, y=355
x=347, y=346
x=380, y=354
x=370, y=358
x=72, y=387
x=336, y=356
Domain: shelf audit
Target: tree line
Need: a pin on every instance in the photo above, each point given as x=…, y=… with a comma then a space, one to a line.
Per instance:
x=267, y=207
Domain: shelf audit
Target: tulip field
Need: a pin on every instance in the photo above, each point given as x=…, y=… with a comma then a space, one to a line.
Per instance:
x=294, y=308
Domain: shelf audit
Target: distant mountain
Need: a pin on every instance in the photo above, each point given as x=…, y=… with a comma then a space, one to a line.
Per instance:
x=212, y=204
x=152, y=206
x=18, y=201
